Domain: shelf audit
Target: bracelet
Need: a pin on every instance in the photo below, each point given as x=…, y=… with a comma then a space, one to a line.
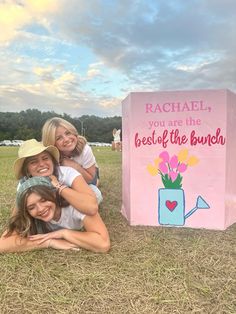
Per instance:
x=61, y=188
x=58, y=185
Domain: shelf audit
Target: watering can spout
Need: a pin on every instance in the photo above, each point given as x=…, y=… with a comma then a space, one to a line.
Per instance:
x=200, y=204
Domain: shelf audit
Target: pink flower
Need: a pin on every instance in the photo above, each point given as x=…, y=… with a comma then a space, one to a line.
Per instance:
x=173, y=175
x=171, y=167
x=174, y=162
x=164, y=156
x=182, y=167
x=163, y=168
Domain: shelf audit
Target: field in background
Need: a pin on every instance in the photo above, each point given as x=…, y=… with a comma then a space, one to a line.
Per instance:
x=148, y=270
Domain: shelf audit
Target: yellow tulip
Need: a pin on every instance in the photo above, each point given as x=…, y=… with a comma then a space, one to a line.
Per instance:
x=157, y=161
x=152, y=170
x=192, y=161
x=183, y=154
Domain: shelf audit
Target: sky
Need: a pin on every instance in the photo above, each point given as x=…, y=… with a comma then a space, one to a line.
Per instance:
x=83, y=57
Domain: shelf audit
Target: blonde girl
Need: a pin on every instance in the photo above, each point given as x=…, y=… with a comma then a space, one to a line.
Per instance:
x=74, y=149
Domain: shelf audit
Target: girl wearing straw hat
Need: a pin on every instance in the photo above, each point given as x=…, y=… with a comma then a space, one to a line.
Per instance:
x=44, y=220
x=74, y=149
x=35, y=159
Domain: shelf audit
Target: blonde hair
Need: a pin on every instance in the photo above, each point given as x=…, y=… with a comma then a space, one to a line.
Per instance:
x=49, y=133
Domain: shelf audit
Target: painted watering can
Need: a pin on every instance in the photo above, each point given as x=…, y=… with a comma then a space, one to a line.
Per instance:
x=171, y=207
x=171, y=198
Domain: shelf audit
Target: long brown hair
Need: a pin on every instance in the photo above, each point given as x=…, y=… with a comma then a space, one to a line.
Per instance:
x=22, y=222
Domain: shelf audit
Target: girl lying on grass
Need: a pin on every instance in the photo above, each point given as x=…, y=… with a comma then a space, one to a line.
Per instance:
x=35, y=159
x=43, y=219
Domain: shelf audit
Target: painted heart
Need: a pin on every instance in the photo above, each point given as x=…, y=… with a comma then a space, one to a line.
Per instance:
x=171, y=205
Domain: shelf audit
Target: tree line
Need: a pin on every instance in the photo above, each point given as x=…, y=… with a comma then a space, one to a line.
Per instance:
x=28, y=124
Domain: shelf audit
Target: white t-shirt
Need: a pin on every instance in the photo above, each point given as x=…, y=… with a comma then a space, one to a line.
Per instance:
x=117, y=136
x=86, y=159
x=70, y=219
x=67, y=175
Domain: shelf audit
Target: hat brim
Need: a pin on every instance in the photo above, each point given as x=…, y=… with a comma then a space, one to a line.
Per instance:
x=18, y=164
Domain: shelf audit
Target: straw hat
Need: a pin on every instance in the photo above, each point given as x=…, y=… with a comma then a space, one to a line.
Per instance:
x=31, y=148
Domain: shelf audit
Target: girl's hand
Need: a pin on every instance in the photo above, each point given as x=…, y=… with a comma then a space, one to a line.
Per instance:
x=40, y=238
x=54, y=240
x=54, y=181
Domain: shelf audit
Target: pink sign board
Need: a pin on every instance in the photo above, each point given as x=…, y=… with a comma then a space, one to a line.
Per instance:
x=178, y=159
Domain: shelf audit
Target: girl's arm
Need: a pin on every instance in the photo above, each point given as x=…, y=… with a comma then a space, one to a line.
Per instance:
x=16, y=243
x=95, y=238
x=80, y=195
x=88, y=173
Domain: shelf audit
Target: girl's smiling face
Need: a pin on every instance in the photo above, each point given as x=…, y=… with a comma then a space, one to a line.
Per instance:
x=65, y=141
x=40, y=208
x=40, y=165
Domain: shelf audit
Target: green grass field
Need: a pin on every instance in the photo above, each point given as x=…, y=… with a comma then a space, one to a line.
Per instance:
x=148, y=270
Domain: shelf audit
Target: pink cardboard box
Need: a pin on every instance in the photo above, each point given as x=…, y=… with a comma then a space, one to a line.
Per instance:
x=178, y=159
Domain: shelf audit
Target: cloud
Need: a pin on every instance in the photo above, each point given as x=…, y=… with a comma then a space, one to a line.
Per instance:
x=88, y=55
x=14, y=15
x=94, y=70
x=110, y=102
x=146, y=36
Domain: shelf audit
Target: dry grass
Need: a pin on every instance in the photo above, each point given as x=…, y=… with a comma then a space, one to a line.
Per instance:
x=148, y=270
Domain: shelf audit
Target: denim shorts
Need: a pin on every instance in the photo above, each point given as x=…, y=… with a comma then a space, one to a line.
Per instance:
x=96, y=177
